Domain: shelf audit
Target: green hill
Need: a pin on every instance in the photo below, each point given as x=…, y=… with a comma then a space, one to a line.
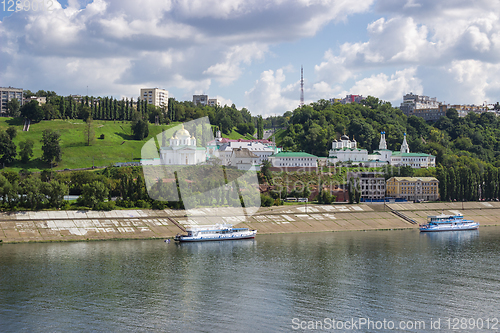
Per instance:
x=117, y=145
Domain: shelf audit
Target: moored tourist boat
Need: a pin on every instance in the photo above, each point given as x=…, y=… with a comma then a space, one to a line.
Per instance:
x=215, y=232
x=445, y=222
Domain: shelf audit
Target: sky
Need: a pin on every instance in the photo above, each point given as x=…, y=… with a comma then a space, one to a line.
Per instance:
x=249, y=52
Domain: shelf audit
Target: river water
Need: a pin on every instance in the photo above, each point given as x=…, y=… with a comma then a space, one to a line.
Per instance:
x=273, y=283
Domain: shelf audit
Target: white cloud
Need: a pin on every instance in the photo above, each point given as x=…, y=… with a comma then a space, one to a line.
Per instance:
x=452, y=44
x=178, y=45
x=229, y=70
x=266, y=97
x=474, y=81
x=118, y=46
x=333, y=69
x=389, y=88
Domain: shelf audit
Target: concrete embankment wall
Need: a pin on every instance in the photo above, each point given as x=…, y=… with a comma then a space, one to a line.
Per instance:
x=154, y=224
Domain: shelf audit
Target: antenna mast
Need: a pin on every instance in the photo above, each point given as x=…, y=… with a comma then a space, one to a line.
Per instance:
x=301, y=86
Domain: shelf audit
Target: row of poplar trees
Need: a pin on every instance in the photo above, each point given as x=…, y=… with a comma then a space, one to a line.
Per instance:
x=102, y=108
x=465, y=184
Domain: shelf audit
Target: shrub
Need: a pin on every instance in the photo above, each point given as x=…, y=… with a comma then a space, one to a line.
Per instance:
x=266, y=201
x=109, y=205
x=101, y=137
x=158, y=204
x=141, y=204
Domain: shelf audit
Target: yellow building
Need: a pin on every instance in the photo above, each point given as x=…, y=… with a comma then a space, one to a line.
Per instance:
x=413, y=188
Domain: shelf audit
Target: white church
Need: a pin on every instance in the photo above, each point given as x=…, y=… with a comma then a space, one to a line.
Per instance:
x=182, y=149
x=402, y=157
x=346, y=150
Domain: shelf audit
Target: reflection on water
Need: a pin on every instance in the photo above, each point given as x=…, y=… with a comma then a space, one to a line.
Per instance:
x=249, y=285
x=225, y=246
x=456, y=237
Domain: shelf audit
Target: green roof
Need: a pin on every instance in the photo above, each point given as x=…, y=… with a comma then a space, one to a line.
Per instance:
x=292, y=154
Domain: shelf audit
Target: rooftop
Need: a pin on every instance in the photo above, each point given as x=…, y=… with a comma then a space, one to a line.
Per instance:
x=398, y=153
x=413, y=179
x=293, y=154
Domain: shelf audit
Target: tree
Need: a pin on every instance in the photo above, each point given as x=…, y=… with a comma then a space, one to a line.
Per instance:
x=351, y=190
x=51, y=146
x=242, y=128
x=50, y=111
x=265, y=170
x=7, y=148
x=260, y=128
x=93, y=194
x=30, y=188
x=12, y=132
x=84, y=112
x=55, y=192
x=13, y=107
x=32, y=111
x=306, y=192
x=26, y=152
x=357, y=192
x=140, y=129
x=89, y=132
x=4, y=188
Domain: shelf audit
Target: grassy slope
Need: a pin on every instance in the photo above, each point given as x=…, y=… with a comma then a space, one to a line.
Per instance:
x=279, y=135
x=235, y=136
x=117, y=146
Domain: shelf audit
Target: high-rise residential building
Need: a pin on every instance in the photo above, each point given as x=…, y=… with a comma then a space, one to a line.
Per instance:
x=8, y=93
x=155, y=96
x=200, y=100
x=422, y=106
x=213, y=102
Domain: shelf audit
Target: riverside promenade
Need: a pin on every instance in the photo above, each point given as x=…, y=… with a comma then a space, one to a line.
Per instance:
x=48, y=226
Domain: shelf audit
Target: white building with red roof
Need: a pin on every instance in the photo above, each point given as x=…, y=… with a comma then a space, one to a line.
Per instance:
x=223, y=148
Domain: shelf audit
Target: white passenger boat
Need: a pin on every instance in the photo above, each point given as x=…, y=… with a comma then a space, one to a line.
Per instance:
x=448, y=223
x=215, y=232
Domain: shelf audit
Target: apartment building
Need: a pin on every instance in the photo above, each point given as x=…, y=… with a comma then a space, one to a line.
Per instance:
x=155, y=96
x=213, y=102
x=8, y=93
x=372, y=185
x=413, y=188
x=200, y=100
x=422, y=106
x=40, y=100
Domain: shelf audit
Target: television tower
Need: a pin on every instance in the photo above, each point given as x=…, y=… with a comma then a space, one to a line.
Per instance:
x=301, y=86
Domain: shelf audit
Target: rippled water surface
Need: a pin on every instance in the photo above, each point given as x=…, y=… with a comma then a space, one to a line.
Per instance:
x=259, y=285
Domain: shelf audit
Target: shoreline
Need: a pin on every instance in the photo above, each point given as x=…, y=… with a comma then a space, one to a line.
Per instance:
x=60, y=226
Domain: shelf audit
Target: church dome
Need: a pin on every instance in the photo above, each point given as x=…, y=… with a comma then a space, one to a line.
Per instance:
x=182, y=132
x=344, y=137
